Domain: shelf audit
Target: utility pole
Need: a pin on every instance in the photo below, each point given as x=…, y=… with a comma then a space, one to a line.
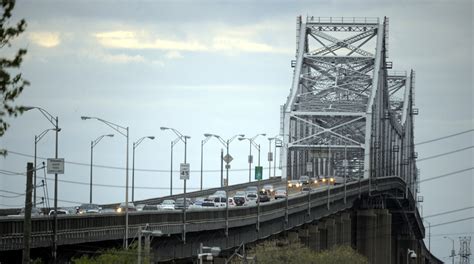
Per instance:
x=27, y=216
x=222, y=167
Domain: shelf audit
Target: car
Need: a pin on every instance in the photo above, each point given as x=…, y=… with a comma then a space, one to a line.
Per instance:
x=280, y=193
x=139, y=207
x=60, y=212
x=294, y=184
x=218, y=200
x=167, y=205
x=263, y=196
x=251, y=198
x=231, y=201
x=220, y=193
x=306, y=189
x=89, y=209
x=240, y=198
x=208, y=203
x=149, y=207
x=304, y=180
x=268, y=188
x=34, y=211
x=179, y=204
x=131, y=207
x=314, y=180
x=251, y=189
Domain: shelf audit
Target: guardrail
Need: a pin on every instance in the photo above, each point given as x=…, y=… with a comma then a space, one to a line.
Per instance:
x=73, y=229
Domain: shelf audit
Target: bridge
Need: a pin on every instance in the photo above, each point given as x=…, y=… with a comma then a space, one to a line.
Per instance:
x=348, y=114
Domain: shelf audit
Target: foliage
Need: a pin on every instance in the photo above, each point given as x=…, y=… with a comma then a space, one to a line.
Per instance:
x=110, y=256
x=10, y=86
x=281, y=251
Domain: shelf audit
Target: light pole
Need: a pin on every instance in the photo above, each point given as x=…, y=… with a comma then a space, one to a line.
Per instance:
x=93, y=143
x=226, y=144
x=147, y=233
x=270, y=157
x=213, y=252
x=204, y=141
x=37, y=139
x=55, y=122
x=124, y=131
x=453, y=253
x=135, y=145
x=184, y=140
x=252, y=142
x=171, y=164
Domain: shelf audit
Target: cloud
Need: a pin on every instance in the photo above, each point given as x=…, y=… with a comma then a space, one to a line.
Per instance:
x=45, y=39
x=243, y=44
x=173, y=55
x=142, y=40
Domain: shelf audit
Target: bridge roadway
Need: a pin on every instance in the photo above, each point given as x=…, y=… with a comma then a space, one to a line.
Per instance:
x=228, y=230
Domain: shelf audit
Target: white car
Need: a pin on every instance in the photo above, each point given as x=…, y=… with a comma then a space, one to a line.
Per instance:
x=167, y=205
x=219, y=201
x=280, y=193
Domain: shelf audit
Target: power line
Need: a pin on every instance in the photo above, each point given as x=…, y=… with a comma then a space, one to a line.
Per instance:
x=454, y=221
x=449, y=212
x=444, y=175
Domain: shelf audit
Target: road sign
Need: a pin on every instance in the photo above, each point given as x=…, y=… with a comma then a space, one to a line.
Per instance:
x=227, y=166
x=309, y=166
x=270, y=156
x=184, y=171
x=258, y=172
x=228, y=158
x=55, y=166
x=250, y=159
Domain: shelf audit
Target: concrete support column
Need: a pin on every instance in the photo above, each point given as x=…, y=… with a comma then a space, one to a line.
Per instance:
x=346, y=229
x=331, y=232
x=366, y=226
x=383, y=236
x=314, y=241
x=339, y=226
x=293, y=237
x=303, y=235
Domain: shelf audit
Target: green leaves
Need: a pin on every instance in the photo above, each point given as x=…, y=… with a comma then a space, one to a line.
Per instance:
x=10, y=87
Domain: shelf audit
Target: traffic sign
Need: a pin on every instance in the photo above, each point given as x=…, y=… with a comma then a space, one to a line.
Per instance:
x=258, y=172
x=250, y=159
x=228, y=158
x=309, y=166
x=227, y=166
x=55, y=166
x=184, y=171
x=270, y=156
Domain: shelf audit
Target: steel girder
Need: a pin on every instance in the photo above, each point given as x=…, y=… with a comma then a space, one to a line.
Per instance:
x=346, y=115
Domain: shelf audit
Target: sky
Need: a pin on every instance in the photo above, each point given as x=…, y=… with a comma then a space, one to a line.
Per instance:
x=220, y=67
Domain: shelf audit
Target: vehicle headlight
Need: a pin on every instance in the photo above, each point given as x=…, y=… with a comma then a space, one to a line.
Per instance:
x=263, y=190
x=332, y=179
x=271, y=190
x=119, y=210
x=324, y=180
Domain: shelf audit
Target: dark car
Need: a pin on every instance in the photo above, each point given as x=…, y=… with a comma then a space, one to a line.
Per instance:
x=89, y=209
x=180, y=203
x=264, y=196
x=149, y=207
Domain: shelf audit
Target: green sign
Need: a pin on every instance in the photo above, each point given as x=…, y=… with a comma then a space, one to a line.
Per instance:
x=258, y=172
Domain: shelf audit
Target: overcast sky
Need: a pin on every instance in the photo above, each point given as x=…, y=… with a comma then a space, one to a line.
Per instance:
x=220, y=67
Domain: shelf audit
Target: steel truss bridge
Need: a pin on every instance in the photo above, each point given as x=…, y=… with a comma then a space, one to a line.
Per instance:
x=348, y=114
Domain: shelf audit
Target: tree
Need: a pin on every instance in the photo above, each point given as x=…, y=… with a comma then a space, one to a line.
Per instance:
x=10, y=86
x=282, y=251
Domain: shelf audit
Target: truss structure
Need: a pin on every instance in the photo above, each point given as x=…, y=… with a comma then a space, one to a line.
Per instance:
x=348, y=114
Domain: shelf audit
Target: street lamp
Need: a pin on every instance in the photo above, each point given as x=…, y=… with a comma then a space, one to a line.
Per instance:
x=37, y=139
x=147, y=233
x=208, y=136
x=270, y=157
x=135, y=145
x=226, y=144
x=252, y=142
x=453, y=253
x=93, y=143
x=124, y=131
x=54, y=121
x=184, y=140
x=213, y=252
x=171, y=164
x=411, y=254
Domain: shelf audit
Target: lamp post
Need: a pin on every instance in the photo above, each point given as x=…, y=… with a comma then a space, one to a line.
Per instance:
x=213, y=252
x=453, y=253
x=93, y=143
x=55, y=122
x=204, y=141
x=135, y=145
x=37, y=139
x=226, y=144
x=252, y=142
x=147, y=233
x=124, y=131
x=270, y=157
x=171, y=164
x=184, y=140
